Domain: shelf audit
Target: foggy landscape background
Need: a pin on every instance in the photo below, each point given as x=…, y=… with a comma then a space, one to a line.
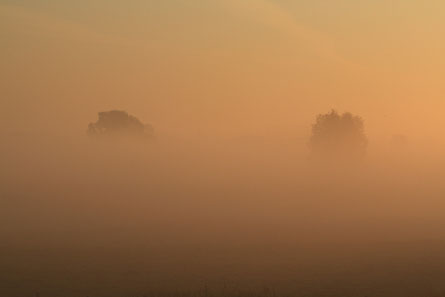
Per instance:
x=225, y=200
x=107, y=219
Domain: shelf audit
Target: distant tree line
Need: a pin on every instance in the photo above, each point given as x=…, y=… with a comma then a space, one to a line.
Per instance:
x=333, y=135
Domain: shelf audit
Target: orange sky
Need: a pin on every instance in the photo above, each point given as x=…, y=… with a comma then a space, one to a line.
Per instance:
x=226, y=68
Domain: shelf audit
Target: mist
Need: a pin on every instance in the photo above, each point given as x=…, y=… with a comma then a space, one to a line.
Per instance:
x=221, y=148
x=240, y=214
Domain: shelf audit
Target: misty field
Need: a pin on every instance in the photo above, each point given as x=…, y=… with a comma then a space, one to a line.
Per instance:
x=125, y=221
x=222, y=148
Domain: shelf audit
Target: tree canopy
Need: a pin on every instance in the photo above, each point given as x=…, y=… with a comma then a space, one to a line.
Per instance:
x=336, y=135
x=119, y=124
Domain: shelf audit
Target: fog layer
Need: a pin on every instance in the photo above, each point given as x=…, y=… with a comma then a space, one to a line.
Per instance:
x=179, y=214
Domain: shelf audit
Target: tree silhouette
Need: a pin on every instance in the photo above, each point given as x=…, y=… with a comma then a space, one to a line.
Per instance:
x=338, y=136
x=119, y=124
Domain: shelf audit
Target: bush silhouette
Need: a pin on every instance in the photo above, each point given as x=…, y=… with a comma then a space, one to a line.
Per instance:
x=338, y=136
x=119, y=124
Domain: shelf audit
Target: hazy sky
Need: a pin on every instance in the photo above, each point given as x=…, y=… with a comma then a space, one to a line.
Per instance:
x=229, y=68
